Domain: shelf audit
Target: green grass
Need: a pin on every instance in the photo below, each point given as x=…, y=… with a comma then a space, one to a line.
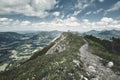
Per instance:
x=42, y=52
x=98, y=49
x=58, y=66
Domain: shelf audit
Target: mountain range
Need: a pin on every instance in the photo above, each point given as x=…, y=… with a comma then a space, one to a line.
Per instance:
x=105, y=34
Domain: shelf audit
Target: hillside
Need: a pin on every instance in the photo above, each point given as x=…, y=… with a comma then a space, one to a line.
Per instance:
x=108, y=50
x=16, y=47
x=94, y=63
x=60, y=64
x=67, y=57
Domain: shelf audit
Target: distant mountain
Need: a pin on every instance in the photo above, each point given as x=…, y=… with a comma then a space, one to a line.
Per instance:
x=10, y=37
x=106, y=34
x=92, y=32
x=114, y=33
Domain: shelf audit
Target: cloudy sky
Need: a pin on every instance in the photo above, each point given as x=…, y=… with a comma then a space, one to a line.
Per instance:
x=63, y=15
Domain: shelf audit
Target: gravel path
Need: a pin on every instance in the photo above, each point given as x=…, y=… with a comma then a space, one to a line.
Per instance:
x=94, y=67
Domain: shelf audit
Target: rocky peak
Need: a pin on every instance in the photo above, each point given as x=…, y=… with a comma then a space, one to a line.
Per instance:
x=61, y=43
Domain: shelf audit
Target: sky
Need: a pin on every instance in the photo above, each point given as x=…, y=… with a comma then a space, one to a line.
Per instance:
x=62, y=15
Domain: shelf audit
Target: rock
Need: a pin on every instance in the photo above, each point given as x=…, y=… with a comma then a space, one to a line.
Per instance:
x=43, y=78
x=110, y=64
x=28, y=79
x=59, y=46
x=83, y=78
x=76, y=62
x=94, y=79
x=33, y=77
x=70, y=74
x=92, y=69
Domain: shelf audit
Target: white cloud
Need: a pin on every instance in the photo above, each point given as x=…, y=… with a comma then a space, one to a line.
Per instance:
x=56, y=14
x=82, y=4
x=85, y=20
x=98, y=11
x=27, y=7
x=115, y=7
x=107, y=20
x=88, y=13
x=71, y=23
x=62, y=16
x=76, y=13
x=3, y=19
x=25, y=23
x=107, y=23
x=101, y=0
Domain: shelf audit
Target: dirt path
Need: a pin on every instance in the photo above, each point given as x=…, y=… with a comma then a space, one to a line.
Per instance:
x=94, y=67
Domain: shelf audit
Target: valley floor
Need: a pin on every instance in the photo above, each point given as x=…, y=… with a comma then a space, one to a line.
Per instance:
x=94, y=66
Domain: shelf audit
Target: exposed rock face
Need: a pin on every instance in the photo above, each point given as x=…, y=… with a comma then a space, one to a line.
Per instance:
x=59, y=46
x=94, y=67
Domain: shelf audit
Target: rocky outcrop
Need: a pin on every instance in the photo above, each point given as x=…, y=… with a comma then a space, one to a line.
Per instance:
x=60, y=45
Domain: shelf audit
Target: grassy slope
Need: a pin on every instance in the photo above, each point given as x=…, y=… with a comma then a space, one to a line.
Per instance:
x=99, y=50
x=52, y=66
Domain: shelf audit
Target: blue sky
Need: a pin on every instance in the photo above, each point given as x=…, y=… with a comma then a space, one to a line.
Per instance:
x=76, y=15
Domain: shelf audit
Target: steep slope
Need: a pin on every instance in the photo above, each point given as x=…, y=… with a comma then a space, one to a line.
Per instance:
x=57, y=61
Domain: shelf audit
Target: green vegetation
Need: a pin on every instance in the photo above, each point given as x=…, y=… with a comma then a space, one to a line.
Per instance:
x=101, y=48
x=42, y=52
x=58, y=66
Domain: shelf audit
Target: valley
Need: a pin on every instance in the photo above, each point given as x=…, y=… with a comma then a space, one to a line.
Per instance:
x=18, y=47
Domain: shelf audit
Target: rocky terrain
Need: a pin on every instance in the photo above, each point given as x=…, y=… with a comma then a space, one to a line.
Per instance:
x=94, y=66
x=59, y=46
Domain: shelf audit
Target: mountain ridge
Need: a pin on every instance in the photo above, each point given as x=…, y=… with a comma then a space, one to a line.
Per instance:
x=62, y=59
x=51, y=66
